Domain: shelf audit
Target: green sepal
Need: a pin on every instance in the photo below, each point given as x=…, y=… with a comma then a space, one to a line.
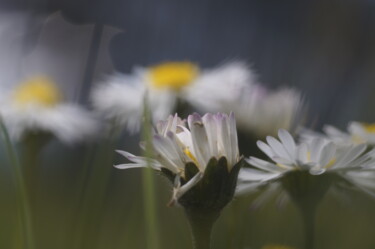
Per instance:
x=190, y=171
x=215, y=190
x=169, y=174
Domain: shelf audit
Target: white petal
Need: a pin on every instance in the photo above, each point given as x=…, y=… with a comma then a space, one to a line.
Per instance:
x=199, y=139
x=277, y=147
x=251, y=175
x=264, y=165
x=265, y=148
x=328, y=153
x=350, y=155
x=212, y=133
x=288, y=142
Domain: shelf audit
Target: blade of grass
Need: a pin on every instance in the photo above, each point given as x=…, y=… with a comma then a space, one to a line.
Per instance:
x=22, y=200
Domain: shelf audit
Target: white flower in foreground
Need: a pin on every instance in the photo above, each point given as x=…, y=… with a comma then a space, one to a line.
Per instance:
x=357, y=133
x=204, y=153
x=36, y=106
x=316, y=156
x=121, y=97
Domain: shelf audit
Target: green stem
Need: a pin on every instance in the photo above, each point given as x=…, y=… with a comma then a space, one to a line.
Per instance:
x=32, y=145
x=150, y=208
x=308, y=215
x=148, y=183
x=201, y=224
x=22, y=199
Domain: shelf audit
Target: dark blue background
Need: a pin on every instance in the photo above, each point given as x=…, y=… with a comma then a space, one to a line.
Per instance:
x=326, y=48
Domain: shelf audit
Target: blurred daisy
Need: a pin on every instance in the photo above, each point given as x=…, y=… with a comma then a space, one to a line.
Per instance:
x=121, y=97
x=36, y=106
x=316, y=156
x=357, y=133
x=30, y=96
x=259, y=111
x=205, y=153
x=263, y=112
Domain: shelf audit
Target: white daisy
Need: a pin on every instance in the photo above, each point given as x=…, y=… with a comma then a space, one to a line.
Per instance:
x=264, y=112
x=185, y=153
x=36, y=106
x=357, y=133
x=121, y=96
x=315, y=156
x=30, y=100
x=258, y=110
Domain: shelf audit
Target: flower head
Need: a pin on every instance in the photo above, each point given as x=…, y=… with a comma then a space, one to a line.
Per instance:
x=264, y=112
x=205, y=152
x=357, y=133
x=121, y=97
x=36, y=106
x=259, y=111
x=38, y=77
x=298, y=165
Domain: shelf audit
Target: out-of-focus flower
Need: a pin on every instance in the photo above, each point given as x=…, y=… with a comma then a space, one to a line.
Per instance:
x=45, y=56
x=122, y=96
x=36, y=106
x=315, y=157
x=202, y=161
x=262, y=112
x=357, y=133
x=259, y=110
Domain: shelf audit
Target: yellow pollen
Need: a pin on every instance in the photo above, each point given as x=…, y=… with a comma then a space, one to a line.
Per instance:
x=358, y=139
x=330, y=163
x=282, y=166
x=191, y=156
x=173, y=75
x=309, y=156
x=37, y=90
x=369, y=127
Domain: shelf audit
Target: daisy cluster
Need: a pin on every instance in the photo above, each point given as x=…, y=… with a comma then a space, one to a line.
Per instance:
x=231, y=86
x=38, y=91
x=32, y=102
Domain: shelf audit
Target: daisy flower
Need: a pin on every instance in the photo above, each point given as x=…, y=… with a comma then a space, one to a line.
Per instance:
x=259, y=110
x=201, y=159
x=263, y=112
x=121, y=97
x=31, y=101
x=357, y=133
x=306, y=171
x=36, y=106
x=315, y=156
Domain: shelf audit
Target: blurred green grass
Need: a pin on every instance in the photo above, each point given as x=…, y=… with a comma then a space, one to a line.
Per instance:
x=115, y=219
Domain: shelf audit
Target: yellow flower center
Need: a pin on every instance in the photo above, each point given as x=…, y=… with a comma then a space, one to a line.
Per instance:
x=369, y=127
x=173, y=75
x=37, y=90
